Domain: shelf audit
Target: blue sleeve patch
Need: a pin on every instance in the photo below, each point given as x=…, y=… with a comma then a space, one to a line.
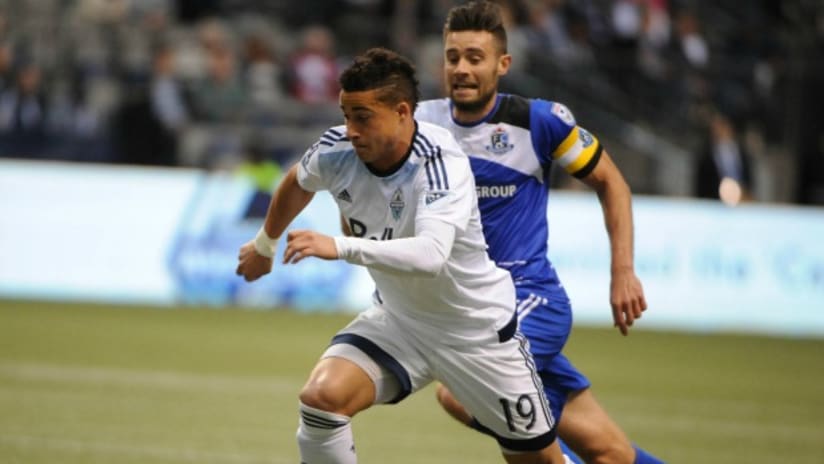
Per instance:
x=549, y=127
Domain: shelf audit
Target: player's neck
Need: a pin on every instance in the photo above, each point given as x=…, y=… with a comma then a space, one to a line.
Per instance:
x=400, y=152
x=469, y=116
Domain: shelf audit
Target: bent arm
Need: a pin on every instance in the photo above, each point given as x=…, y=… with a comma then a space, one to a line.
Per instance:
x=616, y=202
x=287, y=202
x=424, y=255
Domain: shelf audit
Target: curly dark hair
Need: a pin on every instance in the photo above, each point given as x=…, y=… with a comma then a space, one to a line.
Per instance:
x=477, y=16
x=389, y=72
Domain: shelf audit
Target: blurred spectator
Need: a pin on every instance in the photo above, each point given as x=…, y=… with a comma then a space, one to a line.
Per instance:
x=263, y=75
x=23, y=113
x=147, y=126
x=723, y=170
x=220, y=97
x=6, y=64
x=639, y=69
x=314, y=69
x=76, y=128
x=167, y=98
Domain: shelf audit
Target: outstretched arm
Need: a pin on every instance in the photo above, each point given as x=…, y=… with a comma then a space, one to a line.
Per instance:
x=255, y=258
x=424, y=254
x=626, y=293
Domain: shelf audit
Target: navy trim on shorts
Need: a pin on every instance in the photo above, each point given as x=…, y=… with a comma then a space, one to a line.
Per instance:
x=508, y=331
x=381, y=357
x=532, y=444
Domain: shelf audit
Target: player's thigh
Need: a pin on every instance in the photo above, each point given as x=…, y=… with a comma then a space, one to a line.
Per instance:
x=385, y=341
x=586, y=426
x=499, y=386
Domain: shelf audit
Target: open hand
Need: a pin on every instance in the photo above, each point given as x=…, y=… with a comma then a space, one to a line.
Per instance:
x=303, y=243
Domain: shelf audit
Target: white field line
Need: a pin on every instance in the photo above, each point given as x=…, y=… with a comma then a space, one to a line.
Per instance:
x=165, y=380
x=28, y=442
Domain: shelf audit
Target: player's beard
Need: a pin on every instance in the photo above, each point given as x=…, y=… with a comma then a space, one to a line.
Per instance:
x=476, y=105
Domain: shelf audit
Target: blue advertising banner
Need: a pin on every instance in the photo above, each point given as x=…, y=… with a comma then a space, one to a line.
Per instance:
x=171, y=236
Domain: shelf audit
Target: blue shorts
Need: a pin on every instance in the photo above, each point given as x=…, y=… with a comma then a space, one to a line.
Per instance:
x=545, y=318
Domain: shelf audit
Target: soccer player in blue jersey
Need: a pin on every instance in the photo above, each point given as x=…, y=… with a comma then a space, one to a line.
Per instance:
x=441, y=311
x=512, y=143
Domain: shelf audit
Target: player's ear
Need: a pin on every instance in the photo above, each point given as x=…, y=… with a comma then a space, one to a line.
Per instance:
x=504, y=62
x=404, y=109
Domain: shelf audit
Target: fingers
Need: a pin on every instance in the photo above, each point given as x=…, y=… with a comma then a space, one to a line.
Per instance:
x=625, y=313
x=618, y=319
x=299, y=245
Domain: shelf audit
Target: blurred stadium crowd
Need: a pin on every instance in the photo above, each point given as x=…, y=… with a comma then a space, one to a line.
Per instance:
x=682, y=92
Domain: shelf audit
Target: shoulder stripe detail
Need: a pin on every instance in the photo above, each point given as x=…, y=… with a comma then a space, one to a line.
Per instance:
x=431, y=163
x=331, y=137
x=435, y=170
x=425, y=141
x=434, y=164
x=443, y=169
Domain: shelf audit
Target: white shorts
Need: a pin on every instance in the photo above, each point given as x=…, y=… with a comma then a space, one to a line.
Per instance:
x=496, y=382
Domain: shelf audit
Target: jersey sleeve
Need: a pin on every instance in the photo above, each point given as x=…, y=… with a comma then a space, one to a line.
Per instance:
x=311, y=172
x=445, y=187
x=557, y=137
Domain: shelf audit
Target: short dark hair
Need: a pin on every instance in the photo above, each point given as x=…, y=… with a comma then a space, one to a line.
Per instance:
x=477, y=16
x=380, y=68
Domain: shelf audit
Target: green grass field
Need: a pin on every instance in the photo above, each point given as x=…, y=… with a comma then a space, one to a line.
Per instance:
x=93, y=384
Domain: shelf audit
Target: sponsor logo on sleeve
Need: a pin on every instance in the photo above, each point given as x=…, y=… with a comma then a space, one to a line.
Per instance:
x=432, y=197
x=563, y=114
x=586, y=137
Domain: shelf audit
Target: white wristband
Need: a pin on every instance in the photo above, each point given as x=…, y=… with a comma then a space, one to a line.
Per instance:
x=264, y=245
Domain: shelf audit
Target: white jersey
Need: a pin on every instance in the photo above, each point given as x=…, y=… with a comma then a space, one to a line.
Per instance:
x=469, y=298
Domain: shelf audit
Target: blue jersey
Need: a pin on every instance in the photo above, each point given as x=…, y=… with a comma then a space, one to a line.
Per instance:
x=511, y=152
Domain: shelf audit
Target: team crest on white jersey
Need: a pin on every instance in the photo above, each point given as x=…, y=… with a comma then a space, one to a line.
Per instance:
x=396, y=204
x=499, y=142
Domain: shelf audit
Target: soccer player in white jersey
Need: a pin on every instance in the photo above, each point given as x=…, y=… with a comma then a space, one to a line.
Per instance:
x=512, y=143
x=442, y=309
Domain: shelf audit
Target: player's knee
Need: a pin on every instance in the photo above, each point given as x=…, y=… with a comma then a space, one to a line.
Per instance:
x=323, y=396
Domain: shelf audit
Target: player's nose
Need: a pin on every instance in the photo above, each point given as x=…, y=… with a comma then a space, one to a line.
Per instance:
x=461, y=67
x=351, y=133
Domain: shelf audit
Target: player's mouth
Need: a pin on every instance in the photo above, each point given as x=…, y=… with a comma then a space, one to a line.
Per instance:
x=463, y=89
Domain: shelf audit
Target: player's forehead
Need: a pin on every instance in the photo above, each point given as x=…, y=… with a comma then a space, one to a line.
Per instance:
x=467, y=41
x=361, y=100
